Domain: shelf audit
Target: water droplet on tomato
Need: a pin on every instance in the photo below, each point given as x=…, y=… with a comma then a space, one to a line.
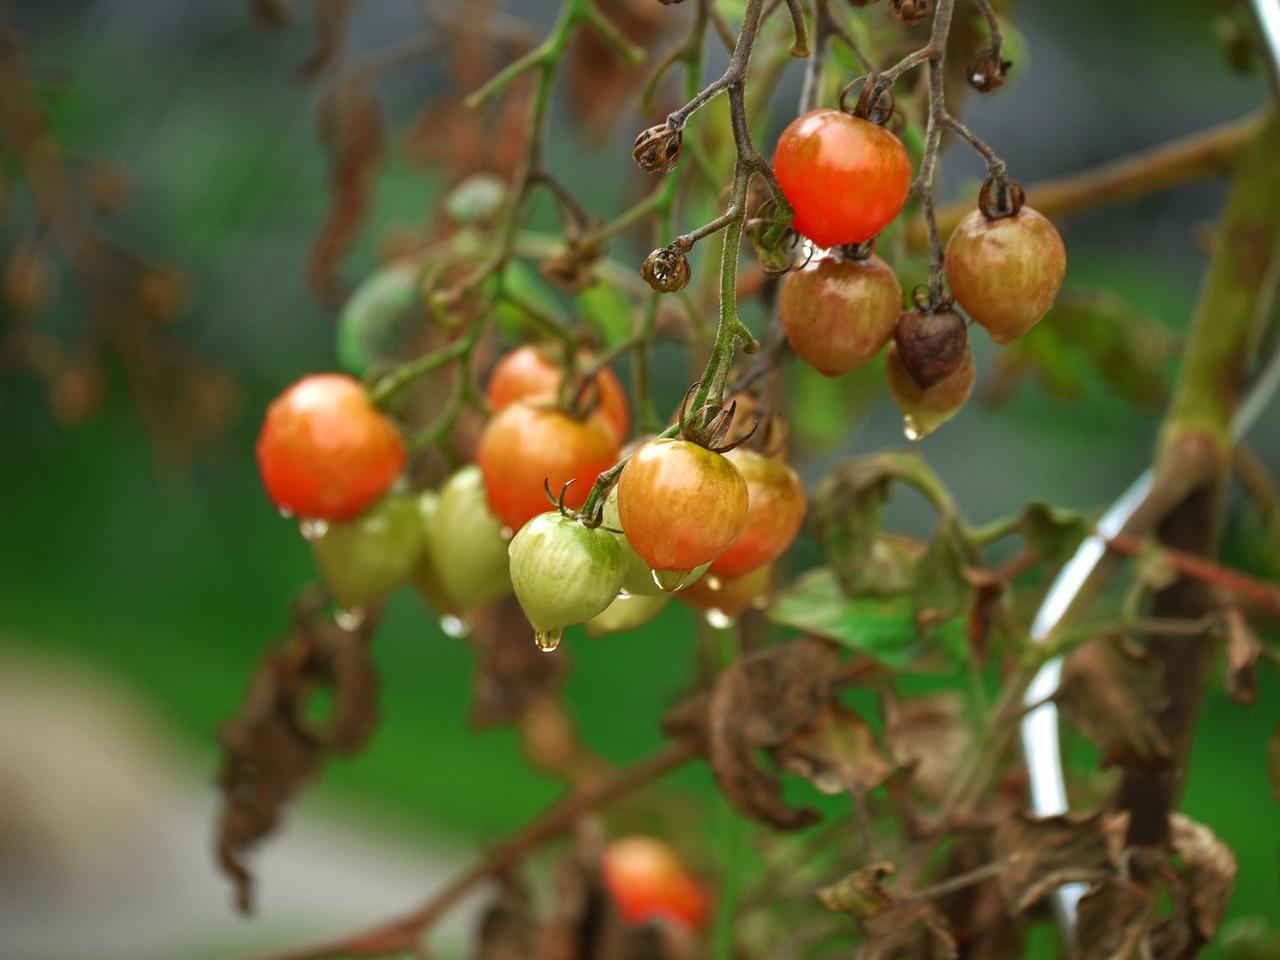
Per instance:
x=548, y=640
x=456, y=627
x=719, y=619
x=286, y=513
x=669, y=581
x=910, y=429
x=713, y=582
x=350, y=620
x=313, y=529
x=506, y=533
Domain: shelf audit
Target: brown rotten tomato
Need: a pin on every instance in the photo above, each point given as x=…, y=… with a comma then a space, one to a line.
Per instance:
x=775, y=510
x=1006, y=272
x=924, y=409
x=528, y=373
x=838, y=314
x=846, y=177
x=325, y=451
x=681, y=506
x=527, y=446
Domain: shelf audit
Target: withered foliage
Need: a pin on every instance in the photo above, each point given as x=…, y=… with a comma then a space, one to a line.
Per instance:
x=312, y=695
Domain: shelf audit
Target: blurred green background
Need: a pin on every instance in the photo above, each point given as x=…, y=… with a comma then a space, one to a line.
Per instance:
x=150, y=593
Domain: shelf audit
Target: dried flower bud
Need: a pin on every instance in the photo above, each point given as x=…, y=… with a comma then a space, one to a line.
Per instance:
x=987, y=70
x=657, y=149
x=910, y=12
x=666, y=270
x=931, y=344
x=570, y=269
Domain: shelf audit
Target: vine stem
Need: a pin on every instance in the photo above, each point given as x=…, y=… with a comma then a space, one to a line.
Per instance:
x=402, y=934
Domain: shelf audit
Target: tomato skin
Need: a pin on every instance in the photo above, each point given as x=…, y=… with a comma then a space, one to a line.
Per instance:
x=325, y=451
x=730, y=596
x=680, y=504
x=528, y=373
x=1006, y=273
x=648, y=882
x=563, y=571
x=526, y=445
x=775, y=511
x=847, y=178
x=625, y=613
x=638, y=580
x=927, y=408
x=464, y=560
x=366, y=559
x=838, y=314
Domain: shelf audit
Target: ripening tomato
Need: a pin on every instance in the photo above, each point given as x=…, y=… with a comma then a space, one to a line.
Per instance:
x=639, y=581
x=526, y=446
x=1006, y=273
x=648, y=882
x=681, y=505
x=775, y=510
x=846, y=177
x=629, y=611
x=729, y=597
x=924, y=409
x=365, y=559
x=326, y=452
x=838, y=314
x=563, y=572
x=528, y=373
x=464, y=561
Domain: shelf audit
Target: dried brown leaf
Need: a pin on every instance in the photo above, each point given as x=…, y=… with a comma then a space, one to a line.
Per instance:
x=861, y=894
x=1113, y=918
x=1039, y=854
x=1210, y=869
x=1113, y=695
x=508, y=929
x=511, y=672
x=927, y=736
x=837, y=753
x=1243, y=649
x=332, y=18
x=762, y=701
x=913, y=930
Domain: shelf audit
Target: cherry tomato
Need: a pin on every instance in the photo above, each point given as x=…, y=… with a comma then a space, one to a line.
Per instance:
x=681, y=505
x=838, y=314
x=367, y=558
x=924, y=409
x=525, y=446
x=846, y=177
x=648, y=882
x=563, y=572
x=775, y=510
x=727, y=598
x=528, y=373
x=638, y=581
x=628, y=611
x=464, y=563
x=325, y=452
x=1006, y=273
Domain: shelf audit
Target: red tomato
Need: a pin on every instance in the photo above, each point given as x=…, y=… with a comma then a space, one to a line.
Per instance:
x=325, y=451
x=527, y=373
x=680, y=504
x=847, y=178
x=775, y=510
x=526, y=445
x=648, y=882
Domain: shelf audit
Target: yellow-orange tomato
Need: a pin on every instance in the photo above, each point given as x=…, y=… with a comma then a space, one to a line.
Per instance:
x=325, y=451
x=681, y=505
x=526, y=446
x=527, y=373
x=729, y=596
x=648, y=882
x=775, y=510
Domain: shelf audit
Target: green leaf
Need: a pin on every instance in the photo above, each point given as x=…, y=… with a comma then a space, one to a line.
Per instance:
x=882, y=627
x=606, y=309
x=526, y=286
x=1053, y=533
x=942, y=592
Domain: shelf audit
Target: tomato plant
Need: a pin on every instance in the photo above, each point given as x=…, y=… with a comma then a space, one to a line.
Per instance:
x=365, y=559
x=464, y=560
x=528, y=373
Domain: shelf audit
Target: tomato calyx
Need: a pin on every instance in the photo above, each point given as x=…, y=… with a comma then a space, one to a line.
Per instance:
x=709, y=426
x=854, y=252
x=875, y=100
x=988, y=69
x=1007, y=201
x=779, y=248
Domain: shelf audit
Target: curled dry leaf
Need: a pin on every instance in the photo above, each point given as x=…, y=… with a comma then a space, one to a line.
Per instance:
x=1243, y=649
x=1113, y=918
x=836, y=752
x=1114, y=694
x=508, y=929
x=927, y=736
x=763, y=701
x=861, y=894
x=1210, y=871
x=511, y=673
x=910, y=930
x=600, y=83
x=1036, y=855
x=271, y=748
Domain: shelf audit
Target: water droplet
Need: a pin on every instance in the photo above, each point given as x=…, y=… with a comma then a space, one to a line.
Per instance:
x=313, y=529
x=712, y=582
x=669, y=581
x=286, y=513
x=548, y=640
x=719, y=619
x=910, y=429
x=507, y=533
x=456, y=627
x=349, y=620
x=624, y=594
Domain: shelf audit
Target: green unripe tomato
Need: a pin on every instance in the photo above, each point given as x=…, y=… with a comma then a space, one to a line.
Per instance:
x=465, y=560
x=365, y=559
x=638, y=580
x=627, y=612
x=374, y=318
x=564, y=572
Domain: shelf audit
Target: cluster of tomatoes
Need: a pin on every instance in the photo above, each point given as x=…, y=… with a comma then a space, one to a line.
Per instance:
x=680, y=515
x=848, y=178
